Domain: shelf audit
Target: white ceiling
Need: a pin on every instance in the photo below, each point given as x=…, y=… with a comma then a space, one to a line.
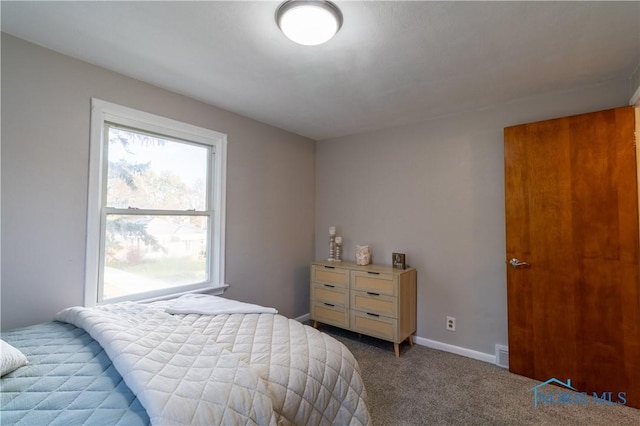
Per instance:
x=392, y=63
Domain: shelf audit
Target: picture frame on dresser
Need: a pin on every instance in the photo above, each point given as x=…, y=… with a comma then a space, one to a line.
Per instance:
x=398, y=260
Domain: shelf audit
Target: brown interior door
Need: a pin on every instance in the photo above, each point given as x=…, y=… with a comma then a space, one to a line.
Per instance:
x=572, y=215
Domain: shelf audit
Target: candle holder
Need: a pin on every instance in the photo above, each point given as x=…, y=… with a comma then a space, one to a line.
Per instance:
x=338, y=252
x=332, y=248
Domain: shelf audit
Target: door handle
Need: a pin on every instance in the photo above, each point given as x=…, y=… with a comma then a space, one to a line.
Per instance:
x=517, y=263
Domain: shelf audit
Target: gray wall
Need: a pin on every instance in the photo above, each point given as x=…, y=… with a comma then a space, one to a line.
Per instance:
x=45, y=148
x=634, y=83
x=435, y=191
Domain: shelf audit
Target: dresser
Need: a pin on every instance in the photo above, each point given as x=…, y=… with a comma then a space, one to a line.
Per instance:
x=374, y=300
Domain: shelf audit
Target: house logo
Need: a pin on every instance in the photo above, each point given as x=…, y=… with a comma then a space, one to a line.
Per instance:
x=565, y=394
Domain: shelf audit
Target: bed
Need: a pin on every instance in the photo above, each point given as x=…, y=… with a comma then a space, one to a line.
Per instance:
x=136, y=364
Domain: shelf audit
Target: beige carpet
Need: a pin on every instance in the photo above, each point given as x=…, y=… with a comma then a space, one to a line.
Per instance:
x=429, y=387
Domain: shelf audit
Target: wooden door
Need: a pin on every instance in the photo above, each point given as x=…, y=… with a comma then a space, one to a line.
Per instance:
x=572, y=215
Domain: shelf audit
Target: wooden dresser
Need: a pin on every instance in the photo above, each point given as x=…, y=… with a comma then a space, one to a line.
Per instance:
x=375, y=300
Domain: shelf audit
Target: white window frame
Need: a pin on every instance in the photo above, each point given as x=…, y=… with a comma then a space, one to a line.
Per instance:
x=102, y=112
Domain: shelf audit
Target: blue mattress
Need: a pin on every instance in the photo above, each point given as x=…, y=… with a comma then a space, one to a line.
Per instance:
x=69, y=380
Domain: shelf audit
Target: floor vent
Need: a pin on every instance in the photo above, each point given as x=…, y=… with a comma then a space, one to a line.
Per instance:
x=502, y=356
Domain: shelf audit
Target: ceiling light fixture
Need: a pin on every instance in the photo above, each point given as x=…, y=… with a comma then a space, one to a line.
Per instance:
x=309, y=22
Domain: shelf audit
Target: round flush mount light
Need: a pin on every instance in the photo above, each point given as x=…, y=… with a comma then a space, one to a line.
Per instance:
x=309, y=22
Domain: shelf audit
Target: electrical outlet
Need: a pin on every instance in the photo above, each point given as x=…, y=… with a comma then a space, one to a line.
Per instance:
x=451, y=323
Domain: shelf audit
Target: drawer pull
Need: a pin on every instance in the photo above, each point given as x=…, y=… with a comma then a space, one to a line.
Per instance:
x=329, y=304
x=373, y=315
x=370, y=293
x=374, y=273
x=330, y=286
x=330, y=267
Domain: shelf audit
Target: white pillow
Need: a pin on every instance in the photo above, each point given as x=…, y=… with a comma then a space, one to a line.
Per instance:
x=10, y=358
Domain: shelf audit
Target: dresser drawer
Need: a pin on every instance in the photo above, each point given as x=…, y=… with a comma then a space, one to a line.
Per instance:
x=329, y=293
x=376, y=326
x=374, y=282
x=374, y=303
x=333, y=315
x=330, y=275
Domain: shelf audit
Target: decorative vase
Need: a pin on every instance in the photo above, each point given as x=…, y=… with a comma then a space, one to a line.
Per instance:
x=363, y=255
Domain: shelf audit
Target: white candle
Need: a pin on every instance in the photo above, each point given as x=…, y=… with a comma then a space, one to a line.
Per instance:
x=338, y=240
x=332, y=230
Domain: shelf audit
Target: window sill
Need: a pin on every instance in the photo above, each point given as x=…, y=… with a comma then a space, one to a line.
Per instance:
x=216, y=291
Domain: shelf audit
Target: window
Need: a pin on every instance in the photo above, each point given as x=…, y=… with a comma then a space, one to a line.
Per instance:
x=155, y=223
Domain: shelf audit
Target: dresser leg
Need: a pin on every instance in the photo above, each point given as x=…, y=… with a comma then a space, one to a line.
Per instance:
x=410, y=340
x=315, y=324
x=396, y=348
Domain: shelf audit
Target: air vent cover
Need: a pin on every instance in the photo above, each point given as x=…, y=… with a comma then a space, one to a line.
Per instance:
x=502, y=356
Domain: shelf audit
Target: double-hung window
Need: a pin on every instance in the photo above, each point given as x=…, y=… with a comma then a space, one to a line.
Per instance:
x=155, y=225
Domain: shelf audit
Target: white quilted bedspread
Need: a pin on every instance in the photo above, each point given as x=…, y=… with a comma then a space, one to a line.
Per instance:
x=227, y=369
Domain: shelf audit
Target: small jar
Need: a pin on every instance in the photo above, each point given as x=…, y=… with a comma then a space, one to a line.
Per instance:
x=363, y=255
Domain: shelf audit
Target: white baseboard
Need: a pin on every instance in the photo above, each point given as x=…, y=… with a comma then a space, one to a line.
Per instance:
x=469, y=353
x=303, y=318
